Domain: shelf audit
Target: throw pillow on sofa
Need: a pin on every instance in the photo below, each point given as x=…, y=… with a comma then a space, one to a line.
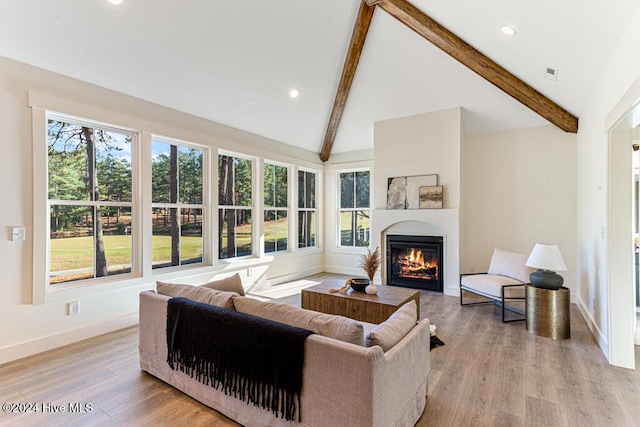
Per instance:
x=198, y=293
x=328, y=325
x=228, y=284
x=391, y=331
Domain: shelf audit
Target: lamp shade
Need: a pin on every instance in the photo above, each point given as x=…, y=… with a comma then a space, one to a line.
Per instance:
x=546, y=257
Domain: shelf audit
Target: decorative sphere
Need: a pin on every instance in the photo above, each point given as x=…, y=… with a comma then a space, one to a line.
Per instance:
x=371, y=289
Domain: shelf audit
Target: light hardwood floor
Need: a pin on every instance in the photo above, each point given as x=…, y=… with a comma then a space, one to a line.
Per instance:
x=487, y=374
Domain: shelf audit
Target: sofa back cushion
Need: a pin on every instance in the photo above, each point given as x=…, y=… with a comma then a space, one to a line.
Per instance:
x=328, y=325
x=198, y=293
x=510, y=264
x=391, y=331
x=228, y=284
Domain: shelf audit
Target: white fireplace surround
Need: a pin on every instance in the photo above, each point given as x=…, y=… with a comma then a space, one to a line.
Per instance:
x=422, y=222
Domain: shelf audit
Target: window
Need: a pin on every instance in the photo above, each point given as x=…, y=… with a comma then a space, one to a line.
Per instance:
x=307, y=210
x=89, y=200
x=177, y=204
x=235, y=205
x=354, y=208
x=276, y=223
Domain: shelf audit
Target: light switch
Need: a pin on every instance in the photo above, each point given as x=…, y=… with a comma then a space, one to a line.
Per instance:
x=18, y=234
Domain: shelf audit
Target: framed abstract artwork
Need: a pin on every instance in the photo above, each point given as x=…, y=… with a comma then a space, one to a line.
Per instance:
x=431, y=197
x=403, y=192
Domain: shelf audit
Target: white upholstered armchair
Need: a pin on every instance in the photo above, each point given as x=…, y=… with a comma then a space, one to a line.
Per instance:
x=502, y=284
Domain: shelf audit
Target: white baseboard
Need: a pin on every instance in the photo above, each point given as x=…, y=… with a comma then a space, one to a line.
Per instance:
x=595, y=330
x=29, y=348
x=357, y=272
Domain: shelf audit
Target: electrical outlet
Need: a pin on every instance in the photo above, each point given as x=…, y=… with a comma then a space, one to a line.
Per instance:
x=249, y=271
x=73, y=308
x=472, y=269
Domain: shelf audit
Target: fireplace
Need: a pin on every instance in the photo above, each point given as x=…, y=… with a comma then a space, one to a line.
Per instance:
x=414, y=261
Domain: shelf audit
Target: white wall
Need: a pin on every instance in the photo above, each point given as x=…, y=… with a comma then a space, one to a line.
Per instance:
x=419, y=145
x=423, y=144
x=29, y=328
x=594, y=288
x=519, y=189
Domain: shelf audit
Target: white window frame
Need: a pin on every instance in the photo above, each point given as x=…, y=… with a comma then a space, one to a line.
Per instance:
x=142, y=275
x=204, y=206
x=339, y=209
x=288, y=209
x=43, y=291
x=44, y=107
x=316, y=209
x=256, y=200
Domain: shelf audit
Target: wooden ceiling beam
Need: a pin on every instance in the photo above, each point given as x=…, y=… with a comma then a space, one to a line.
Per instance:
x=466, y=54
x=360, y=30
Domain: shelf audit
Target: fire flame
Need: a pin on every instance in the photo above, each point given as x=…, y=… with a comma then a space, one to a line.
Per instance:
x=414, y=265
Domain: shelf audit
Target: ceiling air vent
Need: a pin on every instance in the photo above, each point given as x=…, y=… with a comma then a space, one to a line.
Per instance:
x=551, y=73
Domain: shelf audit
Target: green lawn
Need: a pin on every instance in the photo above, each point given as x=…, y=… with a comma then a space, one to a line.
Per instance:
x=74, y=253
x=77, y=252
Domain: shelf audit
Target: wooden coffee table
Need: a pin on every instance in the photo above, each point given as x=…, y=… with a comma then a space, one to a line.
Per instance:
x=358, y=305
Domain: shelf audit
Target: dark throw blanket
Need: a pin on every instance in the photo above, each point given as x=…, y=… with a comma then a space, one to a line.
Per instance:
x=248, y=357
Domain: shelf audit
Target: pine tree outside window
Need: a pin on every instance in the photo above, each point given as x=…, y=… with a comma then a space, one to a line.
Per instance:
x=177, y=204
x=235, y=206
x=90, y=195
x=276, y=208
x=354, y=208
x=307, y=209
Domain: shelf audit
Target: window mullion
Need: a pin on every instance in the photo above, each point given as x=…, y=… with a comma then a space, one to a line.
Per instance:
x=143, y=241
x=293, y=208
x=258, y=202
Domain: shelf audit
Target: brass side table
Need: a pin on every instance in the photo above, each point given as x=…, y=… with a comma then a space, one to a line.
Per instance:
x=548, y=312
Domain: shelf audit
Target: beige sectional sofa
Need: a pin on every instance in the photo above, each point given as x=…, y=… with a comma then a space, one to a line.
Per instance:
x=353, y=383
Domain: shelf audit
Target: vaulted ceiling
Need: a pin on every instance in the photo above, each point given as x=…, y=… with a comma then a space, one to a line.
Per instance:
x=235, y=62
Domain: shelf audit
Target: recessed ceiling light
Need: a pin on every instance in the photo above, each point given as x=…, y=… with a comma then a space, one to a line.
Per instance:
x=294, y=93
x=115, y=1
x=508, y=30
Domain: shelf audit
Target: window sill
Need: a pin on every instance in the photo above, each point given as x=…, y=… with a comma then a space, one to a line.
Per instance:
x=70, y=292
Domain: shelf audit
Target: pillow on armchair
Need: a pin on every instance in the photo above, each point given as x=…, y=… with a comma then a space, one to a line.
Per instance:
x=510, y=264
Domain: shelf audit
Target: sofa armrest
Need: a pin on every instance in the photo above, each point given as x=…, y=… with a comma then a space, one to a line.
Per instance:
x=405, y=372
x=152, y=335
x=359, y=386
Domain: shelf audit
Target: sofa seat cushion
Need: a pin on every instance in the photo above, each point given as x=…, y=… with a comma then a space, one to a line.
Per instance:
x=510, y=264
x=198, y=293
x=328, y=325
x=491, y=284
x=391, y=331
x=228, y=284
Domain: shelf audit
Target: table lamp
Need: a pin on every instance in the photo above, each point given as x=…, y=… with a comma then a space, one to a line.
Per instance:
x=547, y=259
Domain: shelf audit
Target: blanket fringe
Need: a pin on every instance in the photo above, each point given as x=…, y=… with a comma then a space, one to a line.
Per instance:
x=227, y=375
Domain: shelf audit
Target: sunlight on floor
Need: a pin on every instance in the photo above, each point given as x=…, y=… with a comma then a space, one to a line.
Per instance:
x=285, y=289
